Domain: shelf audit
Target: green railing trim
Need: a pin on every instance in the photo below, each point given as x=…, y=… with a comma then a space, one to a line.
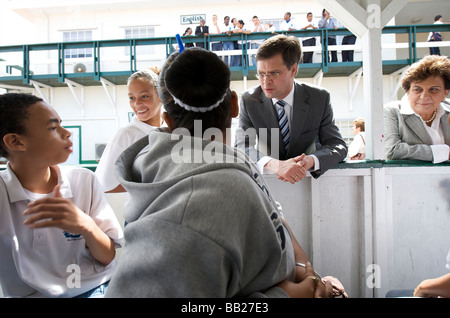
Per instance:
x=363, y=164
x=388, y=163
x=169, y=43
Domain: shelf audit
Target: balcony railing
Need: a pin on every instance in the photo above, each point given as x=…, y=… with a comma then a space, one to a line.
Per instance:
x=115, y=60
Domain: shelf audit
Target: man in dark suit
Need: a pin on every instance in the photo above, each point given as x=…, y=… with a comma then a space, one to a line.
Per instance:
x=201, y=30
x=296, y=135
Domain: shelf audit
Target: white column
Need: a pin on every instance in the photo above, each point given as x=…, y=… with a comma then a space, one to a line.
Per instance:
x=373, y=93
x=366, y=19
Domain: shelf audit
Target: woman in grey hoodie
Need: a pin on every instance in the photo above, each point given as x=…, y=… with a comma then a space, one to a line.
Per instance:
x=201, y=220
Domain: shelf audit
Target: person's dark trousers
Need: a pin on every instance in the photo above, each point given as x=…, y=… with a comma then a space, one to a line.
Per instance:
x=332, y=41
x=347, y=56
x=308, y=56
x=434, y=50
x=217, y=47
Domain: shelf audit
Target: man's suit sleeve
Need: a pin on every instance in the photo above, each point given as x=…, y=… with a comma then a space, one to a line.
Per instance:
x=245, y=136
x=332, y=148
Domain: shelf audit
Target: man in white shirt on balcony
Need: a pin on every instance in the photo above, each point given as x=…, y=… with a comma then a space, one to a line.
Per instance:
x=309, y=24
x=215, y=29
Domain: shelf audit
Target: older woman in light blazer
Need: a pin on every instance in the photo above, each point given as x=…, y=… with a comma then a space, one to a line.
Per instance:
x=418, y=128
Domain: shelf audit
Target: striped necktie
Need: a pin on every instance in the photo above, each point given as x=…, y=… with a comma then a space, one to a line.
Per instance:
x=283, y=122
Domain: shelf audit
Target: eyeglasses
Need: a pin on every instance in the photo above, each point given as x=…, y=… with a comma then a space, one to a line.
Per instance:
x=261, y=75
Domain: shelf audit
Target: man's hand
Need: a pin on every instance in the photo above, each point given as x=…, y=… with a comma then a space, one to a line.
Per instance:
x=291, y=170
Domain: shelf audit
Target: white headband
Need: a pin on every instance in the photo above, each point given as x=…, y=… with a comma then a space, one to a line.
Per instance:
x=198, y=109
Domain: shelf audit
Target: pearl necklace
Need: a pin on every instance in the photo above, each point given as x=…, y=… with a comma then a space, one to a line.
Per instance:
x=432, y=117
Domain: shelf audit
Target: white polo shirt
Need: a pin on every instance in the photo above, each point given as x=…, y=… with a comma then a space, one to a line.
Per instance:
x=286, y=25
x=123, y=138
x=47, y=262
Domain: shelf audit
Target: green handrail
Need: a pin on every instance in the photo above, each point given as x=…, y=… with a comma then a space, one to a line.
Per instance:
x=169, y=42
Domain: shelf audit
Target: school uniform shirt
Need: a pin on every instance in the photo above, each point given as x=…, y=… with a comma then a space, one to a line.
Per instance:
x=225, y=28
x=50, y=262
x=123, y=138
x=313, y=23
x=213, y=30
x=286, y=25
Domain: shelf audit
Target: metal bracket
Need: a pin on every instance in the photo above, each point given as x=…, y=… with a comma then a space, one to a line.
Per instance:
x=80, y=100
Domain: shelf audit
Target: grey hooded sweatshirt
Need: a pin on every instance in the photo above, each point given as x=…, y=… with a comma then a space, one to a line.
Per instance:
x=201, y=223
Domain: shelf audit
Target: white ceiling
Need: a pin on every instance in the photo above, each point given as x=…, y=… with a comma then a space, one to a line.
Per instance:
x=415, y=12
x=423, y=12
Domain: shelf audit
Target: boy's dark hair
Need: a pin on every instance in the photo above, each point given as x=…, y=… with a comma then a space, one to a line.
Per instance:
x=287, y=46
x=13, y=113
x=197, y=78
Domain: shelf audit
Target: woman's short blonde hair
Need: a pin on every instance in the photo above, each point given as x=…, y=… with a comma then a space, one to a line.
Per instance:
x=359, y=123
x=430, y=65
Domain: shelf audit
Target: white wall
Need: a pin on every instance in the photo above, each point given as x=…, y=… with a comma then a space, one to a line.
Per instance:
x=394, y=217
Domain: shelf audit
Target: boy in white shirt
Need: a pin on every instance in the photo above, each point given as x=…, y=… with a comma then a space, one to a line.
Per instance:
x=287, y=24
x=58, y=234
x=310, y=41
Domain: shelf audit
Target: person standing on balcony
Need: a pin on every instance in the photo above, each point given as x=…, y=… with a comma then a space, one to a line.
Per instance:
x=227, y=29
x=254, y=44
x=146, y=105
x=310, y=24
x=201, y=30
x=435, y=36
x=287, y=24
x=188, y=32
x=347, y=55
x=215, y=29
x=235, y=59
x=293, y=122
x=243, y=43
x=329, y=23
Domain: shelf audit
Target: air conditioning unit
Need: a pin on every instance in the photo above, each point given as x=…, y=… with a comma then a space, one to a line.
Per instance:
x=99, y=148
x=79, y=68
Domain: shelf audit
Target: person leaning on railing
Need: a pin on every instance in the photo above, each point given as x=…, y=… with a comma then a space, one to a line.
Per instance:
x=417, y=127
